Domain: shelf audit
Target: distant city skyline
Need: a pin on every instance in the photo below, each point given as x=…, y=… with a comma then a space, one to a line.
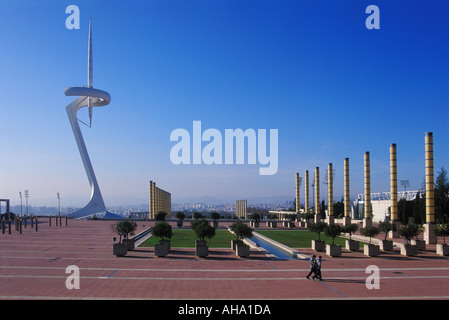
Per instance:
x=311, y=70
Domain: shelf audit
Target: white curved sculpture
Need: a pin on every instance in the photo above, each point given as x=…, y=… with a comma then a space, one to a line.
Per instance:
x=88, y=97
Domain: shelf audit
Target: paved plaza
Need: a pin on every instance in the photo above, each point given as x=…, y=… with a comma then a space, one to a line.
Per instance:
x=33, y=266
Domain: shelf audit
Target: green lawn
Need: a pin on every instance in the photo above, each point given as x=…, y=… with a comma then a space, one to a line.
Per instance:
x=299, y=238
x=185, y=238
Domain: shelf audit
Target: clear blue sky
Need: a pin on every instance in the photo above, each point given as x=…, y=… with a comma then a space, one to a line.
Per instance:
x=309, y=68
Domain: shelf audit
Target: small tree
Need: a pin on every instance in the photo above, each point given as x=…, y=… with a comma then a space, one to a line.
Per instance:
x=442, y=230
x=162, y=230
x=318, y=228
x=332, y=230
x=180, y=215
x=124, y=228
x=197, y=215
x=214, y=216
x=255, y=217
x=370, y=231
x=160, y=216
x=272, y=216
x=350, y=228
x=203, y=229
x=307, y=216
x=241, y=230
x=409, y=231
x=386, y=226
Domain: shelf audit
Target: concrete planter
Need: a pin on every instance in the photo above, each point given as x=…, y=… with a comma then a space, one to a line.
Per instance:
x=160, y=250
x=242, y=250
x=202, y=250
x=288, y=224
x=119, y=249
x=371, y=250
x=214, y=224
x=130, y=244
x=234, y=244
x=386, y=245
x=352, y=245
x=254, y=224
x=409, y=250
x=420, y=244
x=333, y=250
x=318, y=245
x=200, y=243
x=166, y=242
x=442, y=249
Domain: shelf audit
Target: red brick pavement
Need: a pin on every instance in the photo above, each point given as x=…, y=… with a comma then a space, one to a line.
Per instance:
x=33, y=266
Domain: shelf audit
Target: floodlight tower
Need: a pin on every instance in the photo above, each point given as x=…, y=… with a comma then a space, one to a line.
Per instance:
x=27, y=194
x=88, y=97
x=20, y=195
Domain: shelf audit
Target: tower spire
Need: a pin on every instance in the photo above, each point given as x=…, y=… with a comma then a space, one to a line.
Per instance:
x=89, y=58
x=90, y=71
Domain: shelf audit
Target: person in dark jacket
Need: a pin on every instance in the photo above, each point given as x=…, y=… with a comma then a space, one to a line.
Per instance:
x=313, y=265
x=318, y=270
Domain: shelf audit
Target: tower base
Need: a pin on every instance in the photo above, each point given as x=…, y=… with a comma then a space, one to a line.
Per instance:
x=429, y=235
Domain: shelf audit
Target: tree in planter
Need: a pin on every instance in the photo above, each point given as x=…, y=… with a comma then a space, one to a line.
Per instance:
x=203, y=230
x=241, y=231
x=306, y=216
x=215, y=216
x=318, y=245
x=160, y=216
x=332, y=231
x=442, y=230
x=386, y=226
x=370, y=231
x=409, y=231
x=124, y=228
x=197, y=215
x=180, y=216
x=318, y=228
x=162, y=230
x=350, y=229
x=255, y=217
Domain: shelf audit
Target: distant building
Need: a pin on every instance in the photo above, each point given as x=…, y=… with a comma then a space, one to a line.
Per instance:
x=380, y=202
x=160, y=200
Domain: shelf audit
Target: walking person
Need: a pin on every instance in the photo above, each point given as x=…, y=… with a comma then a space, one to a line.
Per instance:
x=313, y=265
x=318, y=270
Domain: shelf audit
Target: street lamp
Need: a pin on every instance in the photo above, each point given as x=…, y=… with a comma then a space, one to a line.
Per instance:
x=20, y=195
x=405, y=184
x=59, y=203
x=27, y=194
